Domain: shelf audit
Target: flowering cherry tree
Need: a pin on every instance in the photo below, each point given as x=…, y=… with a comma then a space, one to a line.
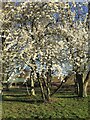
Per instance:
x=32, y=34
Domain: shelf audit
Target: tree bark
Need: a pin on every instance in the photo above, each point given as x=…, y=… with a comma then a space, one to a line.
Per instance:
x=41, y=87
x=79, y=78
x=82, y=84
x=32, y=85
x=63, y=82
x=47, y=90
x=76, y=88
x=85, y=89
x=86, y=81
x=47, y=86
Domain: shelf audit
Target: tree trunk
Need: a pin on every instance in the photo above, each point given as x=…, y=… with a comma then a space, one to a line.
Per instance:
x=47, y=87
x=86, y=81
x=41, y=87
x=49, y=77
x=79, y=78
x=76, y=87
x=32, y=85
x=85, y=89
x=82, y=84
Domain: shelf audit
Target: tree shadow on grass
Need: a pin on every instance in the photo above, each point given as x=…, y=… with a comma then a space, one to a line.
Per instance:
x=31, y=101
x=62, y=94
x=16, y=98
x=37, y=118
x=16, y=118
x=21, y=119
x=65, y=96
x=17, y=95
x=26, y=99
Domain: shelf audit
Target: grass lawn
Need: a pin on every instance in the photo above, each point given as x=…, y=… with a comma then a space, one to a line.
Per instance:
x=18, y=106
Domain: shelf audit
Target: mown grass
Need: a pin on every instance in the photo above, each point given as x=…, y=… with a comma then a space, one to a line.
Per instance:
x=63, y=105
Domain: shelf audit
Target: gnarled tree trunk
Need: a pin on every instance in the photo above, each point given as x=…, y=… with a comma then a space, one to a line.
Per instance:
x=85, y=89
x=82, y=83
x=86, y=81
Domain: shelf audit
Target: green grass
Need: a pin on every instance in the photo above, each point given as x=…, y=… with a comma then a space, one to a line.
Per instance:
x=18, y=106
